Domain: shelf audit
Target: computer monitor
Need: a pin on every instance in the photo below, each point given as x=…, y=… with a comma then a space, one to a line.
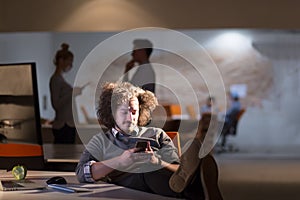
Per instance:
x=19, y=114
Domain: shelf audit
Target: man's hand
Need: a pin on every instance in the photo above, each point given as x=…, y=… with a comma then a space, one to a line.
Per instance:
x=77, y=91
x=127, y=158
x=153, y=158
x=132, y=156
x=129, y=66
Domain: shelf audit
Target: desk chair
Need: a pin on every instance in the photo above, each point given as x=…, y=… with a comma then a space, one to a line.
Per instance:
x=191, y=111
x=30, y=155
x=209, y=170
x=230, y=128
x=20, y=117
x=176, y=140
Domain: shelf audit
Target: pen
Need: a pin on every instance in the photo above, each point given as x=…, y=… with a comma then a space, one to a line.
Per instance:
x=62, y=188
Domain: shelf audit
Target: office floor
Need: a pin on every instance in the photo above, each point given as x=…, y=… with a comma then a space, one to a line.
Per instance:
x=260, y=173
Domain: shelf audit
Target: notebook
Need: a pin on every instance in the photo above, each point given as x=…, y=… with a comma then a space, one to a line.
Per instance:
x=13, y=185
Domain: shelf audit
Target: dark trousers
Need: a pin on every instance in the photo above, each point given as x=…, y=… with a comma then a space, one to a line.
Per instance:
x=65, y=135
x=157, y=182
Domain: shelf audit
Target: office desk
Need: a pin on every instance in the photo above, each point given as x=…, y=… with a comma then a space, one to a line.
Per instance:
x=98, y=191
x=62, y=157
x=63, y=152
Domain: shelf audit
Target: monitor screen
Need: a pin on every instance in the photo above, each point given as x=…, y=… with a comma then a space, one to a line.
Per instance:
x=19, y=107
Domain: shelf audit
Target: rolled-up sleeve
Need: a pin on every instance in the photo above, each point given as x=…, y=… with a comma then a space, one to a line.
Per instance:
x=83, y=169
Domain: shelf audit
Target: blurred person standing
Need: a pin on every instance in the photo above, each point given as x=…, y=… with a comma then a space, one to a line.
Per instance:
x=210, y=104
x=63, y=126
x=144, y=76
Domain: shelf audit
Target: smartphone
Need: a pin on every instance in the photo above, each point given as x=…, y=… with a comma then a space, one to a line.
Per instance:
x=142, y=145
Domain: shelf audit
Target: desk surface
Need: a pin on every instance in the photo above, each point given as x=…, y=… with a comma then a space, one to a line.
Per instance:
x=98, y=191
x=69, y=153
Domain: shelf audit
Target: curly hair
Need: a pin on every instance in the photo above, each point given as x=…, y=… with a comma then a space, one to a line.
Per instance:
x=115, y=94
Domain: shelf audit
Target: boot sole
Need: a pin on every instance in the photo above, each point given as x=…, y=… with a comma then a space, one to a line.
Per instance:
x=181, y=178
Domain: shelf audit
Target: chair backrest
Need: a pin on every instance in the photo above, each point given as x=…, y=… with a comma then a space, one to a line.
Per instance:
x=176, y=140
x=30, y=155
x=241, y=113
x=191, y=111
x=235, y=119
x=172, y=110
x=233, y=116
x=20, y=117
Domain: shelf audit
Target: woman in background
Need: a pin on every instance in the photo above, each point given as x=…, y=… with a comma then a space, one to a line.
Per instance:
x=64, y=130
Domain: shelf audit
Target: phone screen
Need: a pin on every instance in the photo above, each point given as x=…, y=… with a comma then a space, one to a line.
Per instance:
x=142, y=145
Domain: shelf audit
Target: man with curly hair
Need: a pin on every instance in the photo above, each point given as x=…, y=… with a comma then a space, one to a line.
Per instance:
x=113, y=157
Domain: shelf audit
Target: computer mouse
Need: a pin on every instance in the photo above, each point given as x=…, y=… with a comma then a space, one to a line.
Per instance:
x=56, y=180
x=3, y=138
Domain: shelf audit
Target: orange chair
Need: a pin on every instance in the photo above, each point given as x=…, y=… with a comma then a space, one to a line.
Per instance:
x=30, y=155
x=176, y=140
x=172, y=110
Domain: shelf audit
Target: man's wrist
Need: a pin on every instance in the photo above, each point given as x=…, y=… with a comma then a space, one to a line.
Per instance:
x=159, y=162
x=87, y=171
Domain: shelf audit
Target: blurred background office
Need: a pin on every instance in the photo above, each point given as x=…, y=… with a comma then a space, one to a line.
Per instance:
x=254, y=45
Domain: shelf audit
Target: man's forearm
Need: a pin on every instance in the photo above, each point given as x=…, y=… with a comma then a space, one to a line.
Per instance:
x=102, y=169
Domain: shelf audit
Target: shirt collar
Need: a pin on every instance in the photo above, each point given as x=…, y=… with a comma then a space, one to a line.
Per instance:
x=133, y=133
x=114, y=132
